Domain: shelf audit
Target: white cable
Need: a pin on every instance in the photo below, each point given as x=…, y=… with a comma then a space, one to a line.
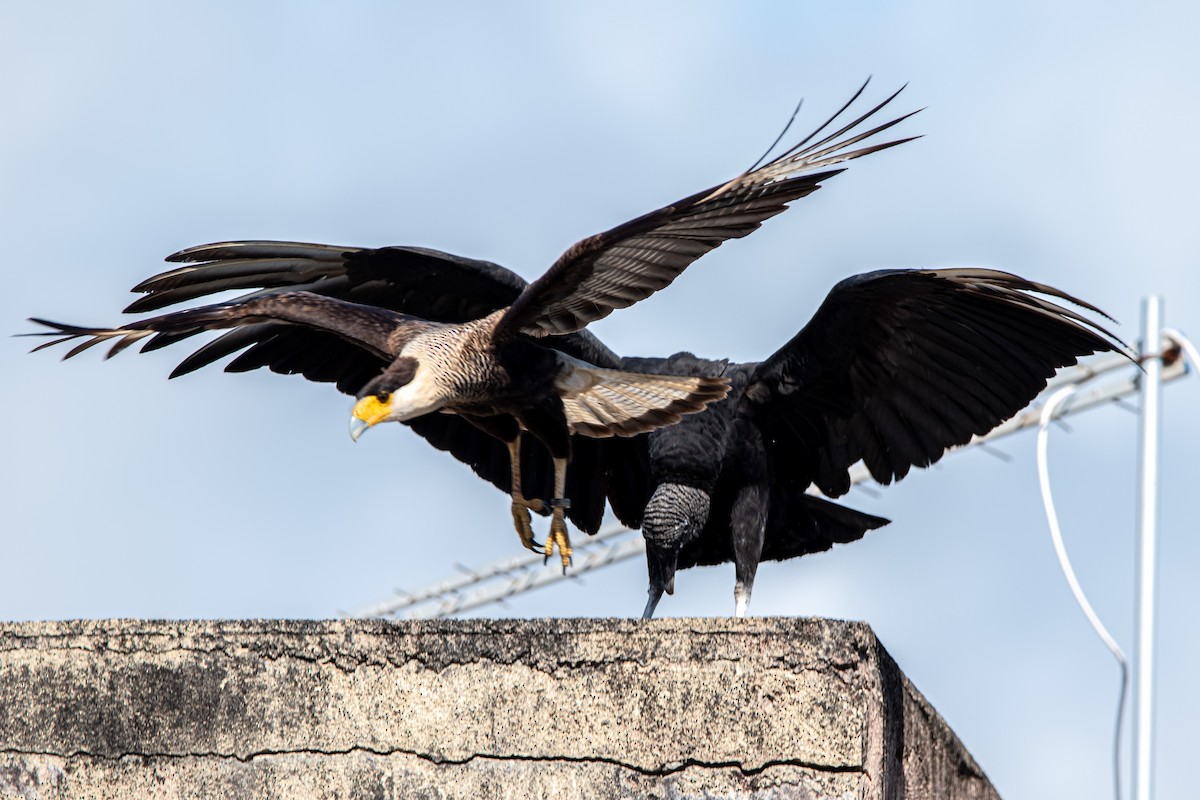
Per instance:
x=1060, y=549
x=1048, y=410
x=1193, y=355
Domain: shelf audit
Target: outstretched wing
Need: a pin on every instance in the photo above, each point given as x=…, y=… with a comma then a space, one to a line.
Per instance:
x=378, y=331
x=425, y=283
x=415, y=280
x=621, y=266
x=899, y=365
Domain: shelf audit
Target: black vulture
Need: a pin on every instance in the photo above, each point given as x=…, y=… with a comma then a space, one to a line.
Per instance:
x=895, y=367
x=493, y=367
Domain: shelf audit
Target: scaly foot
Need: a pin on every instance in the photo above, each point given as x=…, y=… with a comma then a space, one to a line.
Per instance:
x=521, y=521
x=558, y=533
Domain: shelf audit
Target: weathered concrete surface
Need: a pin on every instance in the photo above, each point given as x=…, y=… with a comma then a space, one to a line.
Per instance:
x=715, y=708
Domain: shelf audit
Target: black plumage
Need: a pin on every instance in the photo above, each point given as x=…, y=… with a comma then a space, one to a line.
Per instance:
x=895, y=367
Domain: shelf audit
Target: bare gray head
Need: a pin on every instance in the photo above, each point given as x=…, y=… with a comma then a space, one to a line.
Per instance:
x=675, y=515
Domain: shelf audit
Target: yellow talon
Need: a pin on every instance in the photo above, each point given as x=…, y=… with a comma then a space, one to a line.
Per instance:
x=523, y=523
x=559, y=538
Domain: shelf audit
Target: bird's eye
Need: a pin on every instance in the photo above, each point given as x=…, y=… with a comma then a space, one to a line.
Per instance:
x=383, y=396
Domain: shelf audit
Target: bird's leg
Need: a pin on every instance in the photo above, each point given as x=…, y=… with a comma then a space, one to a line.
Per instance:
x=741, y=598
x=558, y=522
x=520, y=506
x=749, y=523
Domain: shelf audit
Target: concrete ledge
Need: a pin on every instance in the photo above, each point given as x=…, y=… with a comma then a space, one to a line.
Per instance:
x=759, y=708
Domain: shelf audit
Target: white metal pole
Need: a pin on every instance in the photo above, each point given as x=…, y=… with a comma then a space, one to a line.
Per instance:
x=1143, y=701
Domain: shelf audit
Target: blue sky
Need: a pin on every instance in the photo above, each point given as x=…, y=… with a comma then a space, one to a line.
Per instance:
x=1057, y=145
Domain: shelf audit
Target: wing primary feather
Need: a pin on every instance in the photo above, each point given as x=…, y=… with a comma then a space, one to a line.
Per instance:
x=260, y=248
x=835, y=115
x=374, y=329
x=224, y=345
x=791, y=120
x=800, y=148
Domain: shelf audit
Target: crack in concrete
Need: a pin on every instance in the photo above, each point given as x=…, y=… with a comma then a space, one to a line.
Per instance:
x=548, y=664
x=662, y=771
x=128, y=687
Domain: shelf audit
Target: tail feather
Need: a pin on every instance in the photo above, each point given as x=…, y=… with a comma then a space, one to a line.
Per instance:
x=603, y=402
x=802, y=523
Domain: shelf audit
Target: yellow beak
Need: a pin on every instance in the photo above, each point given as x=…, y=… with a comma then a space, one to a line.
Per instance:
x=367, y=412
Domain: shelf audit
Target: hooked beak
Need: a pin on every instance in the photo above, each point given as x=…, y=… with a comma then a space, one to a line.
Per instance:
x=661, y=562
x=368, y=412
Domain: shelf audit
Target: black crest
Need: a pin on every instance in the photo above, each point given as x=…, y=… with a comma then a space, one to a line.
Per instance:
x=399, y=373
